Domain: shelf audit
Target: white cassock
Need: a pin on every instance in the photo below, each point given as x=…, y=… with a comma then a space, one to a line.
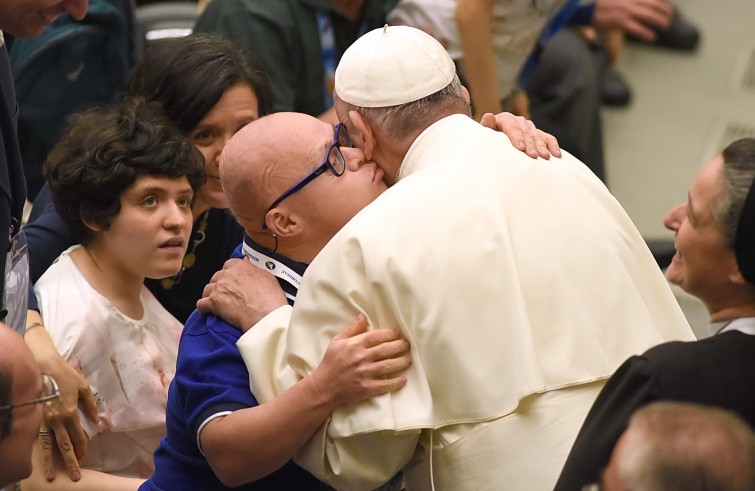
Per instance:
x=521, y=286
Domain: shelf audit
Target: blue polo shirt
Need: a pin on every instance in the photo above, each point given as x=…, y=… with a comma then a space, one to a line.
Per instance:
x=211, y=378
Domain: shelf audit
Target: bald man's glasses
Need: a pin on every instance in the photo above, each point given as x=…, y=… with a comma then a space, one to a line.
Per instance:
x=50, y=391
x=334, y=162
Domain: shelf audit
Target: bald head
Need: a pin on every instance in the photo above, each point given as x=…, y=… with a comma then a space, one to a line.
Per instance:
x=267, y=157
x=683, y=446
x=20, y=381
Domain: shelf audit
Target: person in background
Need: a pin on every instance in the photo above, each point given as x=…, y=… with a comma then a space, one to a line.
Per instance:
x=298, y=42
x=675, y=446
x=124, y=180
x=714, y=261
x=209, y=88
x=23, y=391
x=21, y=18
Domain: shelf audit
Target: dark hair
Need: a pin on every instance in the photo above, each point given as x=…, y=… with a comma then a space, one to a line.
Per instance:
x=737, y=174
x=189, y=75
x=103, y=151
x=734, y=208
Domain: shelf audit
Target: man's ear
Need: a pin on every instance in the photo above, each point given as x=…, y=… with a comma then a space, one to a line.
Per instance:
x=282, y=222
x=737, y=278
x=362, y=136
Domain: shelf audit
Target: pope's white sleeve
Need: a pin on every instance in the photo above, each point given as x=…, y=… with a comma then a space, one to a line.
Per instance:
x=263, y=348
x=349, y=464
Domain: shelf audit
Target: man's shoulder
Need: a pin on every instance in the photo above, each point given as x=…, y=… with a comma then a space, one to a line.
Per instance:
x=199, y=325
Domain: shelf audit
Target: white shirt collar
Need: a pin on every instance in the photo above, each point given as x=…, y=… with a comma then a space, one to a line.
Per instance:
x=742, y=324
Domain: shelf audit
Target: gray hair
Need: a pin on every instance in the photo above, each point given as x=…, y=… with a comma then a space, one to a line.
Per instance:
x=674, y=446
x=738, y=175
x=399, y=121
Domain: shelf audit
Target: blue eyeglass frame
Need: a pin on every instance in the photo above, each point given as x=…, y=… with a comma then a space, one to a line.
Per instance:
x=340, y=138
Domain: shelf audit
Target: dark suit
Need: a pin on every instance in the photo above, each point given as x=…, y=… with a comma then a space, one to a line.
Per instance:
x=12, y=184
x=717, y=371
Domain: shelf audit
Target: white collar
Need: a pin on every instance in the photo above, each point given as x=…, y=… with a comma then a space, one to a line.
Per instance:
x=742, y=324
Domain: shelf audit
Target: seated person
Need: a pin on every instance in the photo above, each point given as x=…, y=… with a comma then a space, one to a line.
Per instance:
x=234, y=91
x=124, y=180
x=677, y=446
x=715, y=240
x=23, y=391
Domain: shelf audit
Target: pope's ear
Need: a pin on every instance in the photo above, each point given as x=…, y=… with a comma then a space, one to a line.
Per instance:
x=361, y=134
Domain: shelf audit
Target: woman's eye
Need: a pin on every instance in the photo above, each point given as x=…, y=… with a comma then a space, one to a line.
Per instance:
x=202, y=136
x=149, y=201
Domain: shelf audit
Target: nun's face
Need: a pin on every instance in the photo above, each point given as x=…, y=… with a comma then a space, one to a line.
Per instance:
x=703, y=265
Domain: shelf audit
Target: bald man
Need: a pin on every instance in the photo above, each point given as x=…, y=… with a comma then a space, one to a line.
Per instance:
x=520, y=284
x=680, y=446
x=218, y=437
x=22, y=394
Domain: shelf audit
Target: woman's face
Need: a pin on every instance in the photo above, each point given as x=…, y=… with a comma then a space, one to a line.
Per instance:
x=235, y=109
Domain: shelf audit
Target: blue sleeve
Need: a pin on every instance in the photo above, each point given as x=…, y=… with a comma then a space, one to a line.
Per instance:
x=210, y=374
x=583, y=15
x=47, y=235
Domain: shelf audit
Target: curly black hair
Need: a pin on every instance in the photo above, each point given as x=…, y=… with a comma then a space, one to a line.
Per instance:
x=102, y=152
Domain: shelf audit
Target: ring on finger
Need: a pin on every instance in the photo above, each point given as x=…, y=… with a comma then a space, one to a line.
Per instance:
x=44, y=433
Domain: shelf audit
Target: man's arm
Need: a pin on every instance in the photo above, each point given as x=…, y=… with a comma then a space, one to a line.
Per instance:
x=523, y=134
x=635, y=17
x=629, y=388
x=474, y=21
x=356, y=366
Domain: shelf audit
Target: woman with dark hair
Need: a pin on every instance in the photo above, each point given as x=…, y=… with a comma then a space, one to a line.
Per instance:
x=124, y=180
x=209, y=88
